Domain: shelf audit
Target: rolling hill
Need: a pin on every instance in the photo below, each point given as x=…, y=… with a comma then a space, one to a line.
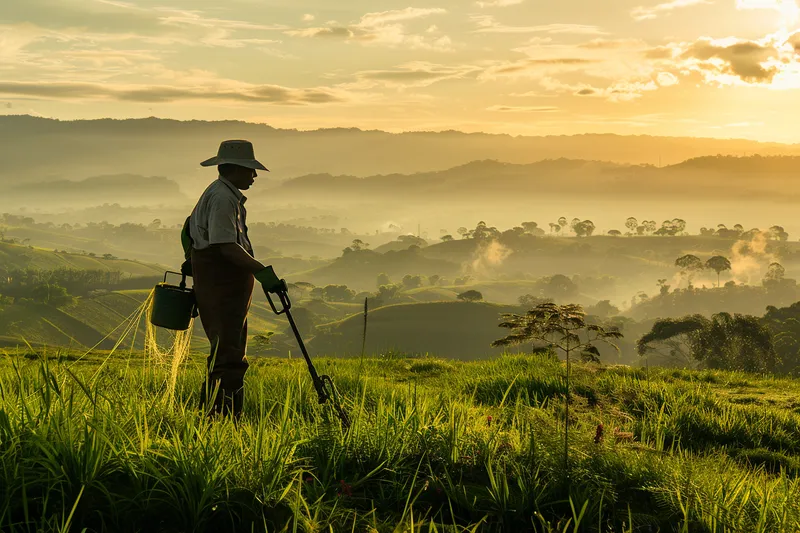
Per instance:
x=17, y=256
x=706, y=177
x=453, y=330
x=99, y=321
x=121, y=189
x=175, y=148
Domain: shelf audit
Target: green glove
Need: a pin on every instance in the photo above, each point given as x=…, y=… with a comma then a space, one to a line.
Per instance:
x=269, y=281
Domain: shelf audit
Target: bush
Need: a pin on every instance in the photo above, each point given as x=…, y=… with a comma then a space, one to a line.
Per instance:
x=470, y=296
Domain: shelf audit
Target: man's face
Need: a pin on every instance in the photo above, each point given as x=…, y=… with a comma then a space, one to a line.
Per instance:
x=243, y=177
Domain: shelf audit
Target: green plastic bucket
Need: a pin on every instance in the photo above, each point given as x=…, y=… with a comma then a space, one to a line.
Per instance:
x=174, y=306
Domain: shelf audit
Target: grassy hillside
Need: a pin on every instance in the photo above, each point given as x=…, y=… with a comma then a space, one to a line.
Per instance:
x=443, y=329
x=434, y=446
x=18, y=256
x=99, y=319
x=359, y=270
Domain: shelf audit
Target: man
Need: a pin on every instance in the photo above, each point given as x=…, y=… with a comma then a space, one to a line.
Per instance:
x=221, y=261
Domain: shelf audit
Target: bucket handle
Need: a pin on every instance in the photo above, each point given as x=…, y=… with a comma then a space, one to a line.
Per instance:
x=183, y=277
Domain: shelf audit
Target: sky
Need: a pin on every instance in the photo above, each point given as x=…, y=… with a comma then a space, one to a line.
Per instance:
x=708, y=68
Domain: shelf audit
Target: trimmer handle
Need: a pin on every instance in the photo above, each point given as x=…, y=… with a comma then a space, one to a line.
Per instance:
x=283, y=296
x=181, y=274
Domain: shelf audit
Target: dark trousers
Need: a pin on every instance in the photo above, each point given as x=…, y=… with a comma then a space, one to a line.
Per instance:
x=224, y=293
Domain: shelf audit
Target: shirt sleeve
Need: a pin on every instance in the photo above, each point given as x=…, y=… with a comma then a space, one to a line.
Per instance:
x=222, y=223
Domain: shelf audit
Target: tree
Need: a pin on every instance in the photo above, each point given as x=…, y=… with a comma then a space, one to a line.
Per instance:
x=359, y=245
x=775, y=274
x=470, y=296
x=554, y=228
x=387, y=293
x=447, y=238
x=663, y=287
x=603, y=309
x=337, y=293
x=689, y=263
x=778, y=233
x=51, y=294
x=614, y=233
x=383, y=279
x=584, y=228
x=463, y=232
x=649, y=226
x=482, y=232
x=560, y=286
x=632, y=224
x=434, y=280
x=530, y=301
x=718, y=264
x=530, y=227
x=412, y=282
x=562, y=222
x=728, y=342
x=561, y=328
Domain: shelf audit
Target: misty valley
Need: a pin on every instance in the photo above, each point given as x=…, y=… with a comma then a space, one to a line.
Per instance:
x=517, y=344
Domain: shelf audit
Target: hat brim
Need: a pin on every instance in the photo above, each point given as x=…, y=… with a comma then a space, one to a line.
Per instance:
x=247, y=163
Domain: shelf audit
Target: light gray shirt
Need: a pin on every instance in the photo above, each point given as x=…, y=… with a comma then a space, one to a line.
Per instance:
x=220, y=217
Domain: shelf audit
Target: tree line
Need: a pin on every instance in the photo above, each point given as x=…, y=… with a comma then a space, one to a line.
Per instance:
x=60, y=286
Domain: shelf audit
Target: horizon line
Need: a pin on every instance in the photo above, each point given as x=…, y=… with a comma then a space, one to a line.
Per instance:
x=405, y=132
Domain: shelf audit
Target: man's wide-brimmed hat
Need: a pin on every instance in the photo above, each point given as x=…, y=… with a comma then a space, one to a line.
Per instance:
x=235, y=153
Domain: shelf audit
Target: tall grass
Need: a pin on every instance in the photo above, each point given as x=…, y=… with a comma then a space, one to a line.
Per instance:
x=104, y=448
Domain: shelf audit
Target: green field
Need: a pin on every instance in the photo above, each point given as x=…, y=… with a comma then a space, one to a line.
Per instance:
x=18, y=256
x=98, y=445
x=452, y=330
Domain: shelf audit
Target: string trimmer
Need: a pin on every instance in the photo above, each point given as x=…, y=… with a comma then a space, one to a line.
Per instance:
x=324, y=386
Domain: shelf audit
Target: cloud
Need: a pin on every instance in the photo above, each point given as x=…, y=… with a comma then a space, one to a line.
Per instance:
x=488, y=24
x=498, y=3
x=522, y=109
x=794, y=40
x=666, y=79
x=620, y=91
x=397, y=15
x=415, y=74
x=237, y=92
x=382, y=28
x=744, y=59
x=181, y=17
x=527, y=67
x=308, y=17
x=659, y=52
x=612, y=44
x=647, y=13
x=789, y=10
x=535, y=63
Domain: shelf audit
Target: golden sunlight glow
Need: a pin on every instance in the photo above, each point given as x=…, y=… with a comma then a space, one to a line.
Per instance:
x=657, y=67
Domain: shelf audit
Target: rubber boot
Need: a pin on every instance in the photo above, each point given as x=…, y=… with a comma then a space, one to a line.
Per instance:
x=237, y=405
x=226, y=402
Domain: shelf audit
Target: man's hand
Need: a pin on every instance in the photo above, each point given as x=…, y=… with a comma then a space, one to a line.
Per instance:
x=269, y=280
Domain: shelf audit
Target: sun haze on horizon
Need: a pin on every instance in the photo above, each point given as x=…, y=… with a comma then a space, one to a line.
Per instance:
x=706, y=68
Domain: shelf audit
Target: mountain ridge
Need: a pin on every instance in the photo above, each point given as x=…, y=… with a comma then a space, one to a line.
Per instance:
x=153, y=119
x=53, y=149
